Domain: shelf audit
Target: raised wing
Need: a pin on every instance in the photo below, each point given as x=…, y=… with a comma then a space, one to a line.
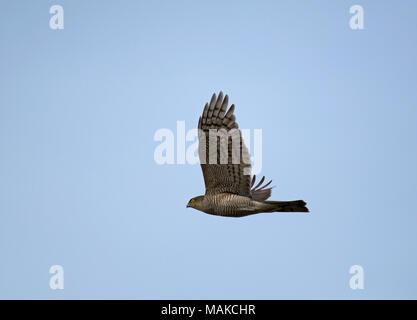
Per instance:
x=260, y=192
x=224, y=158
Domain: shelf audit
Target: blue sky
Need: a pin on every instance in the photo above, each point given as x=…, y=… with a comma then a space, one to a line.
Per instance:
x=79, y=186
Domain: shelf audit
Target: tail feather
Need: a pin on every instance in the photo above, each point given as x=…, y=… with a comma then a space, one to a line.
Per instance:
x=285, y=206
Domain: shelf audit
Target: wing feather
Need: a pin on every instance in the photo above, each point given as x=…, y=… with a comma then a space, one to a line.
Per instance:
x=222, y=177
x=260, y=193
x=229, y=177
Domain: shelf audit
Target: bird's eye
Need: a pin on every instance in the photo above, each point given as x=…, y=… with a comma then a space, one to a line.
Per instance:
x=192, y=200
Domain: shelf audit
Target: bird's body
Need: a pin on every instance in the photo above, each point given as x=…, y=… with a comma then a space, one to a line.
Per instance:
x=225, y=162
x=228, y=204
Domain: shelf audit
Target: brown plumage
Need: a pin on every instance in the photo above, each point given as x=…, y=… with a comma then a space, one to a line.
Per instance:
x=225, y=162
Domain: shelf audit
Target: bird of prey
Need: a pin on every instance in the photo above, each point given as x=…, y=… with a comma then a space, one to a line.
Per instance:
x=225, y=162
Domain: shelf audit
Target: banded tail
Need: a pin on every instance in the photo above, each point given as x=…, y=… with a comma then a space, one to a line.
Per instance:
x=285, y=206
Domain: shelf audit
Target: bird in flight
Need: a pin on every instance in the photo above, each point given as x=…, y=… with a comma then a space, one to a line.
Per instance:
x=225, y=162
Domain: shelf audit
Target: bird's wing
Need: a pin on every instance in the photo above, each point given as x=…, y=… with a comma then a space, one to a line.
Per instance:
x=226, y=165
x=260, y=192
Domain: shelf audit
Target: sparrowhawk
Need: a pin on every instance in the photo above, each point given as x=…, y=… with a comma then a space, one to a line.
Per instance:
x=225, y=162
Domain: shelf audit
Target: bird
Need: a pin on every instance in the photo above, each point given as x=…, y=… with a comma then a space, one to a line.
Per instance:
x=225, y=163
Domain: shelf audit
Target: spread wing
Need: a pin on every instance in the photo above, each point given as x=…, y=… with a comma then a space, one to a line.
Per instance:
x=259, y=192
x=224, y=158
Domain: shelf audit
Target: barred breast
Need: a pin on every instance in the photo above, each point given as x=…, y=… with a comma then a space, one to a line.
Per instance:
x=228, y=204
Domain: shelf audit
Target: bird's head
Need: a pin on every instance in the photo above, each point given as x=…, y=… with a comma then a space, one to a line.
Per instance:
x=196, y=203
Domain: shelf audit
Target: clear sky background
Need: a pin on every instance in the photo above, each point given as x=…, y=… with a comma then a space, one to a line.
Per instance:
x=79, y=186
